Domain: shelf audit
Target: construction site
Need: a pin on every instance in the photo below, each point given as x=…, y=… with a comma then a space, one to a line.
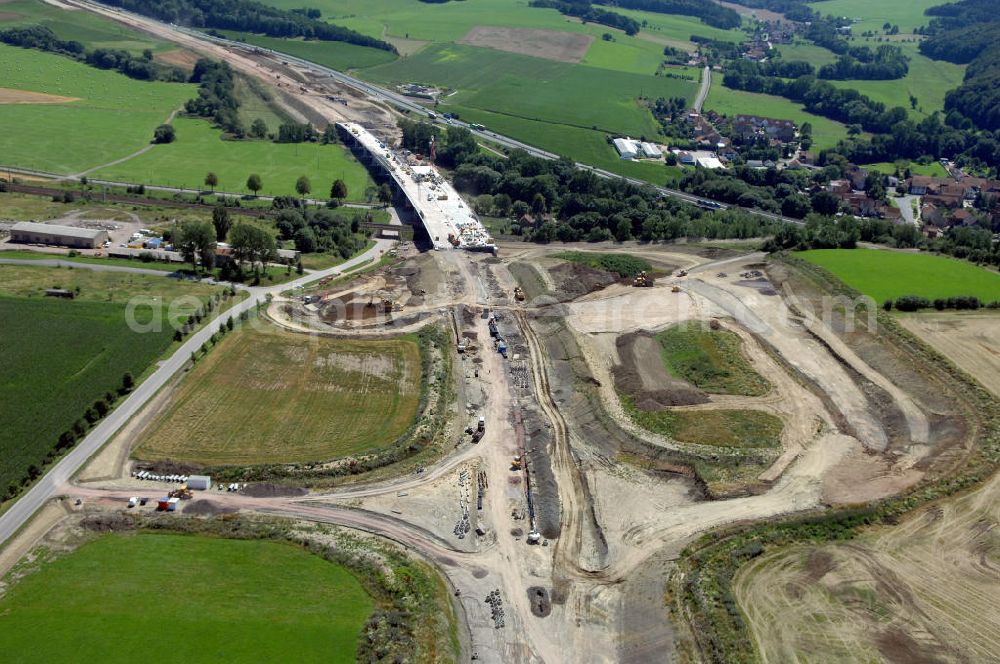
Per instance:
x=568, y=464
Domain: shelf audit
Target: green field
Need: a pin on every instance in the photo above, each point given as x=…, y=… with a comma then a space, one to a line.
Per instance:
x=723, y=100
x=934, y=168
x=335, y=55
x=199, y=149
x=884, y=275
x=113, y=117
x=928, y=80
x=93, y=30
x=710, y=359
x=907, y=14
x=542, y=102
x=534, y=88
x=269, y=396
x=717, y=428
x=815, y=55
x=184, y=598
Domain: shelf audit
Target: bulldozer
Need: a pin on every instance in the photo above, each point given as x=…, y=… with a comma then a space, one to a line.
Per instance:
x=518, y=294
x=642, y=280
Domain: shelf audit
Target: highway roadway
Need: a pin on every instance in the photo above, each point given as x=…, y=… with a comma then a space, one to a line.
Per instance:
x=51, y=484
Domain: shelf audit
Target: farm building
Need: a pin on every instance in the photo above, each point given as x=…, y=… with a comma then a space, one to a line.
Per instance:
x=650, y=151
x=710, y=162
x=29, y=232
x=627, y=148
x=200, y=482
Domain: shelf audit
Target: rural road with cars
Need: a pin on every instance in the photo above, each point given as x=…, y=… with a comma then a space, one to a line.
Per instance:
x=52, y=482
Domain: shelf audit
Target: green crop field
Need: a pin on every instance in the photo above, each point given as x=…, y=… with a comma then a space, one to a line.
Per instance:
x=723, y=100
x=200, y=149
x=885, y=275
x=158, y=597
x=336, y=55
x=534, y=88
x=270, y=396
x=113, y=116
x=545, y=103
x=710, y=359
x=70, y=352
x=90, y=29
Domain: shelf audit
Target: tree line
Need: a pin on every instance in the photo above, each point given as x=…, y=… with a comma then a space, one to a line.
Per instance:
x=583, y=10
x=248, y=16
x=709, y=13
x=140, y=67
x=553, y=200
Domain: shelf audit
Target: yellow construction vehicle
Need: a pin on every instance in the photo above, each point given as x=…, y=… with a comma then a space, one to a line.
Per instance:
x=516, y=463
x=642, y=280
x=675, y=289
x=518, y=294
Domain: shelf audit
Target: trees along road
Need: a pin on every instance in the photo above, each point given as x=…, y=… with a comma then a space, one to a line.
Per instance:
x=49, y=485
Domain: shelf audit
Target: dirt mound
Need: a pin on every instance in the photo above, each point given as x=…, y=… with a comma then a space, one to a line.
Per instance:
x=574, y=280
x=268, y=490
x=642, y=375
x=548, y=44
x=12, y=96
x=540, y=604
x=207, y=508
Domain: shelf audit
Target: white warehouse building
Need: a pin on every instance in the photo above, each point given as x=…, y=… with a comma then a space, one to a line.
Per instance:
x=627, y=148
x=650, y=151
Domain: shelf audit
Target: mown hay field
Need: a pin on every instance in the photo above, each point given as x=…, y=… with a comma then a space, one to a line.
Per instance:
x=157, y=597
x=265, y=396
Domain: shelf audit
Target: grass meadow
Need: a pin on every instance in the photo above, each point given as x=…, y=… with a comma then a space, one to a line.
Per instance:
x=270, y=396
x=928, y=80
x=199, y=149
x=113, y=117
x=186, y=598
x=884, y=275
x=934, y=168
x=716, y=428
x=907, y=14
x=710, y=359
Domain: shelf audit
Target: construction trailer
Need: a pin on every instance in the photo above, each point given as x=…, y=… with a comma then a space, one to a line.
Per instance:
x=199, y=482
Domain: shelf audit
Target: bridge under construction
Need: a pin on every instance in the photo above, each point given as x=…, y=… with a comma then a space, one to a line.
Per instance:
x=449, y=221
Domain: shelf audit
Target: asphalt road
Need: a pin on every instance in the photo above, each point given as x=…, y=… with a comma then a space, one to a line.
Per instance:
x=706, y=85
x=49, y=485
x=55, y=262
